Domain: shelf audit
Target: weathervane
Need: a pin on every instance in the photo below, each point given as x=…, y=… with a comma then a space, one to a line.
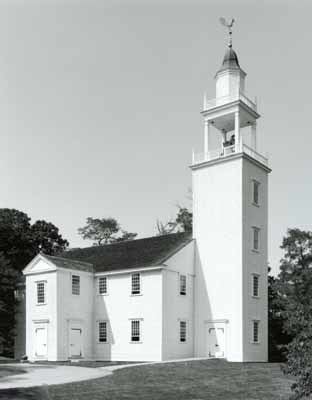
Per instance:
x=229, y=26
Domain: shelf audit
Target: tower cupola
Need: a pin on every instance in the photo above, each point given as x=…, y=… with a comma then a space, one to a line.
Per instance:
x=230, y=78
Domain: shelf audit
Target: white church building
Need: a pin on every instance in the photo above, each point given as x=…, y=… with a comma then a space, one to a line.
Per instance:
x=179, y=295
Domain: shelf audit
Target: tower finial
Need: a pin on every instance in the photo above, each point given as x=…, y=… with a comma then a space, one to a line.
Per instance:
x=229, y=25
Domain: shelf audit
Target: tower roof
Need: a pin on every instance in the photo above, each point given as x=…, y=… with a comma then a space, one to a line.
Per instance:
x=230, y=60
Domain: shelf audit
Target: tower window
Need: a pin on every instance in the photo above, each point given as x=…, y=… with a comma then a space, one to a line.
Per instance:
x=182, y=331
x=135, y=330
x=256, y=239
x=103, y=285
x=255, y=285
x=183, y=285
x=41, y=293
x=255, y=192
x=255, y=331
x=102, y=331
x=135, y=284
x=76, y=284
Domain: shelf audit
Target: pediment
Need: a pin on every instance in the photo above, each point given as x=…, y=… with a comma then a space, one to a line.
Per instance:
x=38, y=265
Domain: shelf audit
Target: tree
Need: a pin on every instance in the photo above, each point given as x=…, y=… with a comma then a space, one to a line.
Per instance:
x=182, y=223
x=294, y=286
x=20, y=241
x=8, y=277
x=104, y=231
x=46, y=237
x=278, y=338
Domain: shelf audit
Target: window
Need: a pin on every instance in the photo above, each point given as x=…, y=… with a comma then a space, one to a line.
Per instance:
x=102, y=331
x=41, y=295
x=183, y=284
x=255, y=285
x=256, y=238
x=75, y=284
x=255, y=192
x=255, y=332
x=135, y=284
x=182, y=331
x=135, y=330
x=103, y=285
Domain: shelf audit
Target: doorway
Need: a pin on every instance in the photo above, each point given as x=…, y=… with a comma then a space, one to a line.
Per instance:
x=41, y=345
x=216, y=335
x=75, y=342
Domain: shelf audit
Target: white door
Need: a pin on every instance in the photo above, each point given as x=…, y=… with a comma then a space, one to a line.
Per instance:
x=41, y=342
x=216, y=340
x=75, y=342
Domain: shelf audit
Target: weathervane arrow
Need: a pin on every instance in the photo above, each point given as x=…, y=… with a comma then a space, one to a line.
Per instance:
x=228, y=25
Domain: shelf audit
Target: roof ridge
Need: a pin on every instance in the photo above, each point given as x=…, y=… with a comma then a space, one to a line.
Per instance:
x=128, y=241
x=66, y=259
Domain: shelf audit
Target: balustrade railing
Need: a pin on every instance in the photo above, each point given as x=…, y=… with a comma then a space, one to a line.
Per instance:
x=227, y=152
x=219, y=101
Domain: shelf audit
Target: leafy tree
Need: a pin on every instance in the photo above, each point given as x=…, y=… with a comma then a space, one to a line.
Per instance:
x=182, y=223
x=20, y=241
x=184, y=219
x=295, y=291
x=8, y=277
x=278, y=338
x=46, y=237
x=104, y=231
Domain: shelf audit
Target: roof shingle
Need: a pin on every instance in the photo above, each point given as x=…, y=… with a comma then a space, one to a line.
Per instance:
x=138, y=253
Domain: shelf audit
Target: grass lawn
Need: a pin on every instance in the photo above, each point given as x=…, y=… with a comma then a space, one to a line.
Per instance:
x=194, y=380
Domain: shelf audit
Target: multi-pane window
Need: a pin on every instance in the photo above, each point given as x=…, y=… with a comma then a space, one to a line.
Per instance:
x=255, y=331
x=76, y=284
x=255, y=285
x=135, y=330
x=102, y=331
x=135, y=284
x=256, y=238
x=183, y=284
x=102, y=285
x=182, y=331
x=41, y=295
x=255, y=192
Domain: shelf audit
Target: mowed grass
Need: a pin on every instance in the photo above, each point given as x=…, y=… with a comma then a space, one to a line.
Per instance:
x=194, y=380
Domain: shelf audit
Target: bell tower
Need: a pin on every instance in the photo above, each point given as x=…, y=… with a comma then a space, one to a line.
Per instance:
x=230, y=223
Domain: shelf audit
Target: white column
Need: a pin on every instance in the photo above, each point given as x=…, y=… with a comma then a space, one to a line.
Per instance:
x=237, y=133
x=254, y=135
x=206, y=138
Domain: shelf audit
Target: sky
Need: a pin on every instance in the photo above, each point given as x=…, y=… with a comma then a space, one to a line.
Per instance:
x=100, y=106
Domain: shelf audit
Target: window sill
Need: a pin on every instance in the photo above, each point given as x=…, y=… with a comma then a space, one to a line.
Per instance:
x=255, y=297
x=103, y=342
x=102, y=294
x=136, y=294
x=140, y=342
x=255, y=204
x=41, y=304
x=255, y=251
x=255, y=343
x=183, y=294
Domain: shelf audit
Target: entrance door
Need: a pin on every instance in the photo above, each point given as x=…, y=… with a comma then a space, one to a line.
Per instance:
x=41, y=342
x=216, y=340
x=75, y=342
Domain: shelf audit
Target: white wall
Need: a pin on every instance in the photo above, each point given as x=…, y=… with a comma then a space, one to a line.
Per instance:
x=118, y=307
x=75, y=311
x=178, y=307
x=217, y=208
x=36, y=313
x=255, y=262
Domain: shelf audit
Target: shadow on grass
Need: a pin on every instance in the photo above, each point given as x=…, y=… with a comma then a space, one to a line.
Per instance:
x=38, y=393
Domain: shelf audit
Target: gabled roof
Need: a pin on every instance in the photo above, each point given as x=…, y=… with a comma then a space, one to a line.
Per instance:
x=67, y=263
x=148, y=252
